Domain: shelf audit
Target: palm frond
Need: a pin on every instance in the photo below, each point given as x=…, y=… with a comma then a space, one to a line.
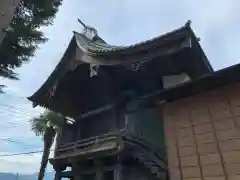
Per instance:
x=40, y=124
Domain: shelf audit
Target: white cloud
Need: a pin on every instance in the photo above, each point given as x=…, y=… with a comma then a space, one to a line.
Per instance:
x=23, y=164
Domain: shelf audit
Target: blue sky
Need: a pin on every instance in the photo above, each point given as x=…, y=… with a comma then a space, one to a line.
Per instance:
x=122, y=22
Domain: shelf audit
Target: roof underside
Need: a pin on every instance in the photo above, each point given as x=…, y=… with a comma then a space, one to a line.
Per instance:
x=99, y=52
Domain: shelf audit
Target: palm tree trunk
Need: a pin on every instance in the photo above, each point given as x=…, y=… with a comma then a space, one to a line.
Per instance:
x=48, y=141
x=44, y=162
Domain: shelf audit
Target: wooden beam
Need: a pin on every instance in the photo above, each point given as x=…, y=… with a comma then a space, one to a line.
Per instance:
x=86, y=171
x=96, y=111
x=66, y=174
x=123, y=97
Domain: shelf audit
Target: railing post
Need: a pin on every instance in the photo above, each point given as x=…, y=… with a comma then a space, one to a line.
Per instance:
x=75, y=146
x=96, y=140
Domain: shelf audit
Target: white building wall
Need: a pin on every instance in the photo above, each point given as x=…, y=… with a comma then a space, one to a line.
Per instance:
x=173, y=80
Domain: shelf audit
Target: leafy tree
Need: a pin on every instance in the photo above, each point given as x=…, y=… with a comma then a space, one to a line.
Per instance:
x=45, y=126
x=24, y=34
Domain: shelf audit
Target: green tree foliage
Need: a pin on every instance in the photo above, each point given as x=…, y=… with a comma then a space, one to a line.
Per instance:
x=24, y=33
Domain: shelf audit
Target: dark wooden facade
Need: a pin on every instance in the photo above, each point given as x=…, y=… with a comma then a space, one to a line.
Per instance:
x=118, y=132
x=115, y=139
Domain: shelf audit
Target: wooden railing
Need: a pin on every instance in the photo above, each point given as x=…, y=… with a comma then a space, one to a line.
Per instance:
x=105, y=142
x=89, y=145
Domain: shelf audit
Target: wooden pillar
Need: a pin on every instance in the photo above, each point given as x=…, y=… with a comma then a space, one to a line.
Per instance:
x=99, y=170
x=118, y=171
x=57, y=175
x=75, y=171
x=76, y=176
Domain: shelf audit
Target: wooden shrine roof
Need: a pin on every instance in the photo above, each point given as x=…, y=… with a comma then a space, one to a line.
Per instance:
x=97, y=51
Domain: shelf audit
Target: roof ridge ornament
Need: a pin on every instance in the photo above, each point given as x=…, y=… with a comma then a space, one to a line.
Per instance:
x=188, y=23
x=94, y=68
x=88, y=31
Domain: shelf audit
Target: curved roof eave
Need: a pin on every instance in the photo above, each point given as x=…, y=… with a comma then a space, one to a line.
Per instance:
x=206, y=61
x=59, y=70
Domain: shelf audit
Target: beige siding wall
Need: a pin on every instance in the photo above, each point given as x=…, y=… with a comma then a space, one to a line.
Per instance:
x=203, y=135
x=7, y=9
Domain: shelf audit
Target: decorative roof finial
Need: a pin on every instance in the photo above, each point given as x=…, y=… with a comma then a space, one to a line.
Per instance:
x=90, y=32
x=188, y=23
x=84, y=25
